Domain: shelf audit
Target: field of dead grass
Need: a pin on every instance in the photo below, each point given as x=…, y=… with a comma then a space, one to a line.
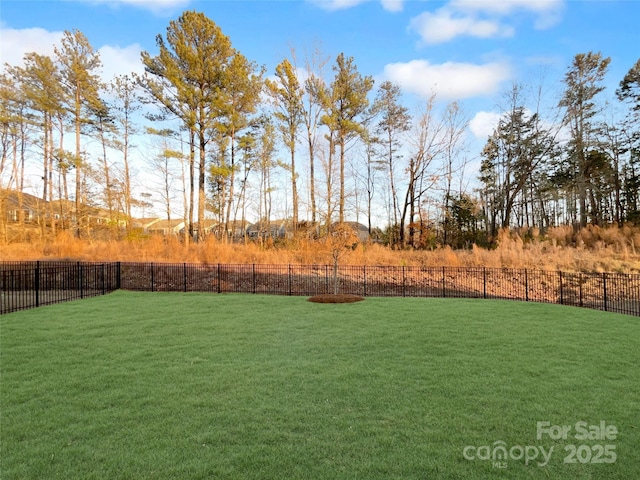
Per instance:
x=592, y=249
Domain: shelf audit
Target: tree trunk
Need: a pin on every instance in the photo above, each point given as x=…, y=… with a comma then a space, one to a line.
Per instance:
x=342, y=194
x=312, y=179
x=78, y=166
x=201, y=186
x=232, y=179
x=192, y=174
x=294, y=188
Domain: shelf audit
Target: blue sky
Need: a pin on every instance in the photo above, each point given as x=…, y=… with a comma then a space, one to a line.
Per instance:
x=462, y=49
x=467, y=50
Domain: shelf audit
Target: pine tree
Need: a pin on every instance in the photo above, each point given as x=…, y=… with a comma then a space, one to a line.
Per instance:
x=185, y=80
x=78, y=64
x=346, y=102
x=125, y=104
x=287, y=94
x=40, y=80
x=239, y=97
x=395, y=121
x=583, y=82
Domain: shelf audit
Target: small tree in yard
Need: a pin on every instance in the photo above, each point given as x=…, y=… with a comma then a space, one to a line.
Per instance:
x=339, y=240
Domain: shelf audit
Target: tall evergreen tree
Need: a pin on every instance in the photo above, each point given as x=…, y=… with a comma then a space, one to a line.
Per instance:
x=238, y=99
x=583, y=81
x=629, y=93
x=518, y=147
x=629, y=89
x=347, y=101
x=40, y=81
x=395, y=120
x=287, y=95
x=125, y=104
x=185, y=79
x=79, y=65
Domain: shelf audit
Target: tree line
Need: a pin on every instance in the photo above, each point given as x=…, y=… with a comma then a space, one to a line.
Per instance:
x=225, y=134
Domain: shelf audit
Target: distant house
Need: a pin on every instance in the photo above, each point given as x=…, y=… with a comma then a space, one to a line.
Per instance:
x=63, y=211
x=274, y=229
x=362, y=231
x=144, y=224
x=21, y=207
x=208, y=227
x=233, y=230
x=166, y=227
x=100, y=217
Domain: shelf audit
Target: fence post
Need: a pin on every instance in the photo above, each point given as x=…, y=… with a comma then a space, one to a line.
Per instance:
x=118, y=275
x=484, y=282
x=580, y=288
x=104, y=291
x=526, y=285
x=81, y=279
x=604, y=289
x=444, y=292
x=326, y=278
x=290, y=281
x=561, y=292
x=37, y=283
x=219, y=286
x=253, y=278
x=364, y=280
x=152, y=281
x=184, y=275
x=403, y=283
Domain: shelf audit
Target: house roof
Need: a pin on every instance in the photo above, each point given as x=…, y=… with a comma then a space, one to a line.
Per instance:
x=270, y=225
x=144, y=222
x=355, y=225
x=163, y=224
x=234, y=225
x=208, y=225
x=28, y=200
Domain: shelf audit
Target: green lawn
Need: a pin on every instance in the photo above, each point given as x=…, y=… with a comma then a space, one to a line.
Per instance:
x=188, y=386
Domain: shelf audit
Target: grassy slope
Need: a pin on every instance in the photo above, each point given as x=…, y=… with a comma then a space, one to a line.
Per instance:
x=237, y=386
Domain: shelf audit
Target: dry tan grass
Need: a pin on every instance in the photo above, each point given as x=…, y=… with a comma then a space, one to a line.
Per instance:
x=591, y=249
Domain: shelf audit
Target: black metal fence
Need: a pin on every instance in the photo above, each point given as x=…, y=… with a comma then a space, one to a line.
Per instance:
x=30, y=284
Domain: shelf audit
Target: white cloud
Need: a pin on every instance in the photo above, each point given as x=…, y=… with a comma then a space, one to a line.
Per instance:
x=15, y=43
x=483, y=124
x=482, y=19
x=508, y=7
x=333, y=5
x=548, y=12
x=448, y=80
x=392, y=5
x=445, y=25
x=120, y=61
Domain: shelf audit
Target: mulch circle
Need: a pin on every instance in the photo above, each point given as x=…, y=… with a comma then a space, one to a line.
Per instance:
x=335, y=298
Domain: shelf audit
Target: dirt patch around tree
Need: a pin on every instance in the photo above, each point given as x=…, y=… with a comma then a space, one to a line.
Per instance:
x=335, y=298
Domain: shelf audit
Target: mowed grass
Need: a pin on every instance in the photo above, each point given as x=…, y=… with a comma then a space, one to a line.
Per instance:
x=190, y=386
